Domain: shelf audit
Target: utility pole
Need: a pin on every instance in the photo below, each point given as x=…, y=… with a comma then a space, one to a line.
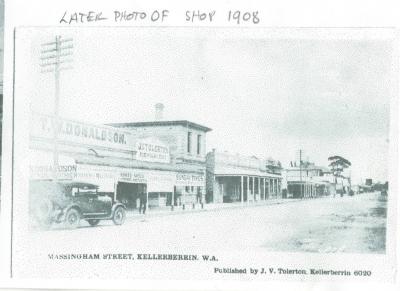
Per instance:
x=301, y=176
x=53, y=57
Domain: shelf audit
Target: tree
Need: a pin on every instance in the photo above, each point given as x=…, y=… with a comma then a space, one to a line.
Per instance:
x=338, y=164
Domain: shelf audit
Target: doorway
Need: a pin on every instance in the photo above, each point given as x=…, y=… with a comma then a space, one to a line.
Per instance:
x=129, y=194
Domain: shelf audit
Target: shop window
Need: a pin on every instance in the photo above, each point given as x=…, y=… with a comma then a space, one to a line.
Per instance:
x=187, y=189
x=153, y=195
x=199, y=144
x=192, y=189
x=189, y=142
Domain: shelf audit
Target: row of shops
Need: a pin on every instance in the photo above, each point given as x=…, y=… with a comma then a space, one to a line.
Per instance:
x=167, y=160
x=126, y=184
x=309, y=181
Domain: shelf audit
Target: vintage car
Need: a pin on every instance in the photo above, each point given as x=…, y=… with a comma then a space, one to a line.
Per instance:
x=69, y=202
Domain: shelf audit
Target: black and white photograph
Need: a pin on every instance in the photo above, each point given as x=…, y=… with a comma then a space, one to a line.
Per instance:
x=1, y=78
x=182, y=144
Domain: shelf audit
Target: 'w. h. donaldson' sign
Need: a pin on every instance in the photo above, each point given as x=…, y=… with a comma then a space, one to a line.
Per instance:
x=42, y=126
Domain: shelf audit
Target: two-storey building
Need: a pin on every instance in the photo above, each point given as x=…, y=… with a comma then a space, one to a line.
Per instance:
x=186, y=142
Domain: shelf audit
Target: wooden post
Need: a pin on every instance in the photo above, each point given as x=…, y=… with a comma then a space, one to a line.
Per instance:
x=265, y=198
x=248, y=188
x=253, y=188
x=184, y=198
x=147, y=200
x=272, y=186
x=115, y=191
x=173, y=199
x=241, y=190
x=222, y=191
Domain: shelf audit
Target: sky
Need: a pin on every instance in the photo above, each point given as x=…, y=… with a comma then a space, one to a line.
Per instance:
x=262, y=95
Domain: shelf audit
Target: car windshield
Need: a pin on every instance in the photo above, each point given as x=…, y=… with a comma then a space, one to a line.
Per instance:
x=77, y=191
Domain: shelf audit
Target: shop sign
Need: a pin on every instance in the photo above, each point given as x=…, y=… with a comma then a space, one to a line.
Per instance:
x=41, y=166
x=152, y=150
x=47, y=172
x=86, y=172
x=132, y=177
x=42, y=126
x=104, y=177
x=158, y=181
x=190, y=179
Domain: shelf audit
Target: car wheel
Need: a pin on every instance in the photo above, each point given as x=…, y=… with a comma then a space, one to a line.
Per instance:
x=72, y=218
x=93, y=222
x=119, y=215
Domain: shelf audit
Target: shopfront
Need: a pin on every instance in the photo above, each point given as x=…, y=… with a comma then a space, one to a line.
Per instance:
x=127, y=184
x=245, y=188
x=235, y=178
x=122, y=163
x=189, y=188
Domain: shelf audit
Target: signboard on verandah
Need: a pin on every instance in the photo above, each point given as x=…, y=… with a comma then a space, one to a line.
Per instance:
x=152, y=150
x=77, y=132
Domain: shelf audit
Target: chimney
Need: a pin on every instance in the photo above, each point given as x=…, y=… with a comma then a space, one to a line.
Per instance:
x=159, y=109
